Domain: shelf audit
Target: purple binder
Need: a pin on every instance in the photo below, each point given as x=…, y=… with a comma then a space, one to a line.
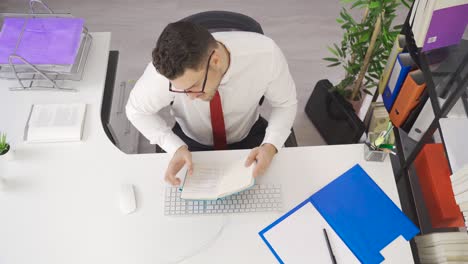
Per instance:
x=44, y=41
x=446, y=27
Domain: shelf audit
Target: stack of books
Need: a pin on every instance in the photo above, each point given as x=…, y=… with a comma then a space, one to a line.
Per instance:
x=460, y=190
x=443, y=248
x=438, y=23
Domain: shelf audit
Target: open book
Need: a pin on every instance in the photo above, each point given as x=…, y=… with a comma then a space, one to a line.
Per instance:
x=55, y=123
x=214, y=181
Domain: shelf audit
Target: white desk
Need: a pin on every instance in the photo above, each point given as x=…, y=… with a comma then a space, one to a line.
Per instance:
x=61, y=203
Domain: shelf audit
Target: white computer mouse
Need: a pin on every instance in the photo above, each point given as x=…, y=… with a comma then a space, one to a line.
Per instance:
x=127, y=199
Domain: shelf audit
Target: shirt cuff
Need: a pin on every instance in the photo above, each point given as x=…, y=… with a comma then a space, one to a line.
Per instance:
x=275, y=139
x=171, y=143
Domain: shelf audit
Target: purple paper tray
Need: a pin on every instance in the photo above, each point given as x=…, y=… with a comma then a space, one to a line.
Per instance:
x=51, y=40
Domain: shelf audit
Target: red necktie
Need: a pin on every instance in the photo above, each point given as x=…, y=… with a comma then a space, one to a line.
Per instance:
x=217, y=122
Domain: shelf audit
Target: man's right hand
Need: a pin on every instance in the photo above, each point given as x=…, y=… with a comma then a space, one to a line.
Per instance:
x=181, y=157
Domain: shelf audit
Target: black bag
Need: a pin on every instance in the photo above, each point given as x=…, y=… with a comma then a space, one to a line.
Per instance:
x=333, y=116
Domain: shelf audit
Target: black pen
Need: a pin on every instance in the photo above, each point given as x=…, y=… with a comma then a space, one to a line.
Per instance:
x=329, y=247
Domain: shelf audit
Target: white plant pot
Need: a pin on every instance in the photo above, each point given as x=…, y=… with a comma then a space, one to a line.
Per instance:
x=9, y=156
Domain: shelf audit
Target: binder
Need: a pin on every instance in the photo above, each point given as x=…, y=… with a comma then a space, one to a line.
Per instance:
x=403, y=65
x=423, y=120
x=434, y=177
x=443, y=24
x=408, y=98
x=410, y=121
x=398, y=46
x=454, y=131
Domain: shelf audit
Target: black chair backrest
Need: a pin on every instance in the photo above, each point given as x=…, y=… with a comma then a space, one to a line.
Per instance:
x=109, y=94
x=216, y=21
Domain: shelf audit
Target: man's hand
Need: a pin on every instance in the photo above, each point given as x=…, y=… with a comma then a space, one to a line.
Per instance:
x=263, y=155
x=181, y=157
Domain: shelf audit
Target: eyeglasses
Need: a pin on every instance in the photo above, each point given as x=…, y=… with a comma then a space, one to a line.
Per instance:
x=204, y=81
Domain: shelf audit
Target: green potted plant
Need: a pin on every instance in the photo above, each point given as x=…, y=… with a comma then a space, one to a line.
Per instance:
x=362, y=52
x=4, y=146
x=4, y=150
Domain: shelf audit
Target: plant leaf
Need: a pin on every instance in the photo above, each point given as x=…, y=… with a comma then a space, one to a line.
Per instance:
x=367, y=92
x=333, y=51
x=339, y=50
x=358, y=3
x=331, y=59
x=364, y=37
x=334, y=64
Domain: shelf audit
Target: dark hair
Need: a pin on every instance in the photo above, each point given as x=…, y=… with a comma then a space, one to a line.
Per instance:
x=181, y=46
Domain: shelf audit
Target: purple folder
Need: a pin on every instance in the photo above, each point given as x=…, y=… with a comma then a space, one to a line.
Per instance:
x=446, y=27
x=44, y=41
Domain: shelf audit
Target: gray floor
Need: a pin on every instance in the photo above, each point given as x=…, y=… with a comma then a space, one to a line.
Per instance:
x=302, y=28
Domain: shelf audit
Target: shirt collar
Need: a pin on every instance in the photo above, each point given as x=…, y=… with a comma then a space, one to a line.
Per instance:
x=228, y=73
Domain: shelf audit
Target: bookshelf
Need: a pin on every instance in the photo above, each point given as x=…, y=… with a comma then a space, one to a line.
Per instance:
x=446, y=95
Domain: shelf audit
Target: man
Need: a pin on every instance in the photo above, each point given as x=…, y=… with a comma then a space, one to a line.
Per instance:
x=214, y=84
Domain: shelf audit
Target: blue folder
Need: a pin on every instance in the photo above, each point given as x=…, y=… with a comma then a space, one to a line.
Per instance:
x=362, y=215
x=402, y=67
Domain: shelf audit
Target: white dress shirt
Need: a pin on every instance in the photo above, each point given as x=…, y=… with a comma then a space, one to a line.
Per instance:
x=257, y=68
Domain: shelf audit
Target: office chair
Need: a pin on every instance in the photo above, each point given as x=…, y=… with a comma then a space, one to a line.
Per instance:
x=108, y=95
x=220, y=21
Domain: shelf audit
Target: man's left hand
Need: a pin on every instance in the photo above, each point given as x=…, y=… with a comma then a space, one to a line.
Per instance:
x=263, y=155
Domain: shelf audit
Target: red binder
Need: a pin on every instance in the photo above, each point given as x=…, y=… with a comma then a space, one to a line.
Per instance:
x=408, y=98
x=433, y=172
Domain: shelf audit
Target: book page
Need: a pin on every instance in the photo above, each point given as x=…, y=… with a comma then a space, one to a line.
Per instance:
x=203, y=184
x=236, y=178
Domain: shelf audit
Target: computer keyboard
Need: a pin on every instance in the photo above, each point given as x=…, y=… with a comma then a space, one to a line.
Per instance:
x=259, y=198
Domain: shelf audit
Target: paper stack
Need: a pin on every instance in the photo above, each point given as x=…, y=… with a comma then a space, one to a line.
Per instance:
x=443, y=248
x=460, y=189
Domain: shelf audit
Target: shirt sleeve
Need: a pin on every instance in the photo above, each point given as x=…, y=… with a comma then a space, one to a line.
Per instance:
x=281, y=94
x=146, y=99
